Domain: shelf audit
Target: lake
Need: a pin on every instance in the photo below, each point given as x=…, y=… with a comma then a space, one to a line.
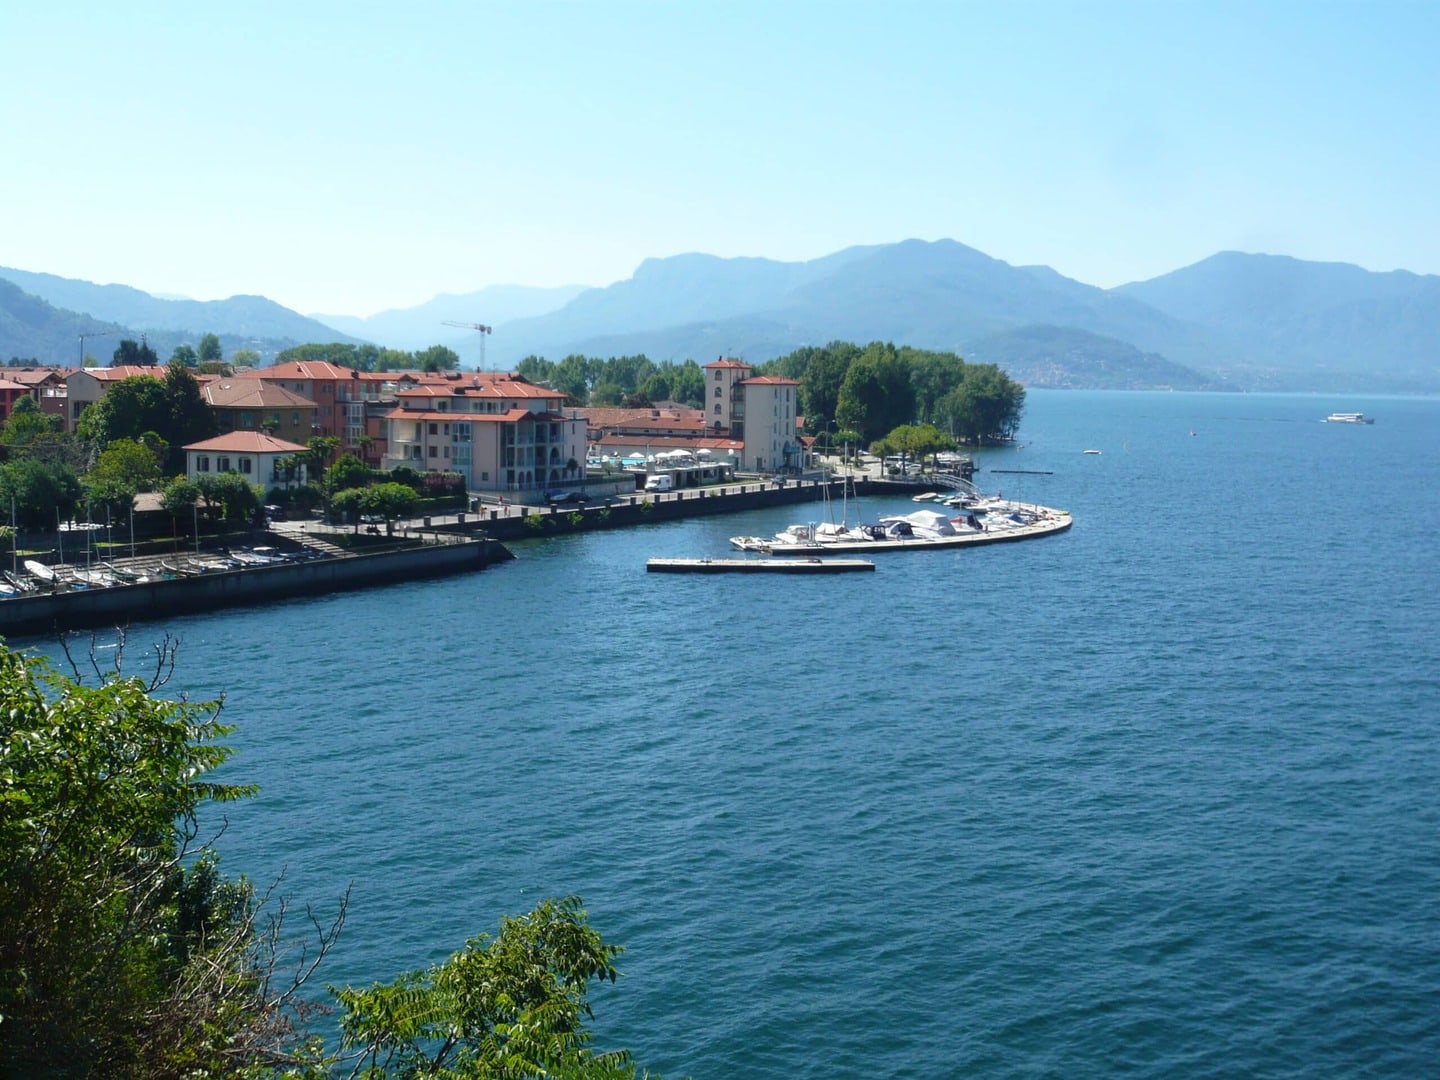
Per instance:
x=1158, y=796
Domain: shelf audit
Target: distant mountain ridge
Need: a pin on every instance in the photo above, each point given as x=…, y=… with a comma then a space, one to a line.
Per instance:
x=1233, y=321
x=425, y=325
x=242, y=317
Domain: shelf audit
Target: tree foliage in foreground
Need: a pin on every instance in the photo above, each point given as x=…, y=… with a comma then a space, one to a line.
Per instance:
x=125, y=953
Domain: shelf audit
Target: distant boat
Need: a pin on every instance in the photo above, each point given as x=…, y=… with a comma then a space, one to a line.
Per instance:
x=1349, y=418
x=1091, y=451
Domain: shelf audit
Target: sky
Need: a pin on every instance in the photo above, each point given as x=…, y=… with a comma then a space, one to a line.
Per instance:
x=347, y=158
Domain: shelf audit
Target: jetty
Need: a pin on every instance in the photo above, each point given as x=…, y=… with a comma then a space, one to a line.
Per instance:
x=811, y=565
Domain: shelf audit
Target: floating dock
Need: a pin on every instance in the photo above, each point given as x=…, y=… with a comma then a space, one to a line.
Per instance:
x=809, y=565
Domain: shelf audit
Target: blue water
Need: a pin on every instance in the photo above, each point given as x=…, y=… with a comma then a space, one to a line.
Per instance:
x=1159, y=796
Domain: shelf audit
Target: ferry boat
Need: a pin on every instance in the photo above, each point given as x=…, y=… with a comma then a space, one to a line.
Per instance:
x=1349, y=418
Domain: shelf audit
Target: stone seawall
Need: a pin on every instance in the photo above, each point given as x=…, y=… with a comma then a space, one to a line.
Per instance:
x=122, y=604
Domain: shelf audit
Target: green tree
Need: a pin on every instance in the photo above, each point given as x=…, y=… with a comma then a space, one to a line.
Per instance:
x=334, y=353
x=876, y=395
x=510, y=1006
x=322, y=450
x=933, y=375
x=184, y=354
x=129, y=352
x=390, y=501
x=177, y=498
x=124, y=953
x=230, y=498
x=820, y=382
x=348, y=505
x=209, y=350
x=125, y=468
x=437, y=358
x=43, y=493
x=190, y=418
x=115, y=959
x=687, y=384
x=245, y=358
x=347, y=472
x=170, y=407
x=132, y=407
x=986, y=406
x=916, y=441
x=27, y=422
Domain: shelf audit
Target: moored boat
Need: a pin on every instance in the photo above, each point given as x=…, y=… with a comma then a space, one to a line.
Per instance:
x=1349, y=418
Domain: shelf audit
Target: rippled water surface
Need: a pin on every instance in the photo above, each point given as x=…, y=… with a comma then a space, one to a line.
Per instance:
x=1158, y=796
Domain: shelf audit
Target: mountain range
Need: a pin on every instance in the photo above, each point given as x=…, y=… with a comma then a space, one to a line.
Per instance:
x=1232, y=321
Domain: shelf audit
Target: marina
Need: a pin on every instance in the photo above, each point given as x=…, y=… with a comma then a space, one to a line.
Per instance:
x=923, y=530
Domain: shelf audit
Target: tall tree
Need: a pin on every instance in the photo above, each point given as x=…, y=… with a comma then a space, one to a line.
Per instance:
x=209, y=351
x=876, y=395
x=129, y=352
x=820, y=382
x=190, y=417
x=42, y=492
x=437, y=358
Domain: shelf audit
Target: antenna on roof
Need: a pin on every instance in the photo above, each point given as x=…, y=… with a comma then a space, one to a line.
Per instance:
x=482, y=329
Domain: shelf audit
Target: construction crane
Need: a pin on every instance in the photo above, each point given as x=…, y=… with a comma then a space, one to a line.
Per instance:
x=93, y=333
x=482, y=329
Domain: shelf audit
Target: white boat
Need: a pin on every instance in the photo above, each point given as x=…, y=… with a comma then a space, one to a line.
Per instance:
x=1349, y=418
x=93, y=578
x=39, y=571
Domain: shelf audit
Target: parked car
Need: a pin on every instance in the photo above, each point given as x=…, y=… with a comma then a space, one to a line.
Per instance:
x=556, y=498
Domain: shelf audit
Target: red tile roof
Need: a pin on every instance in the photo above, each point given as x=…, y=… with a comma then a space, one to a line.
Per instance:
x=301, y=369
x=769, y=380
x=481, y=417
x=728, y=364
x=250, y=394
x=247, y=442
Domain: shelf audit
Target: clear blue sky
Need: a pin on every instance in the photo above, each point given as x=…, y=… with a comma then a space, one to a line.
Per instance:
x=350, y=157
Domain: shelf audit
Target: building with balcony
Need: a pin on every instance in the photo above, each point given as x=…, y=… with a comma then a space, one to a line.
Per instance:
x=499, y=431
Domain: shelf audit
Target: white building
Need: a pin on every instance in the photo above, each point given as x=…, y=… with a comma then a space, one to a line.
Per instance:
x=253, y=454
x=758, y=411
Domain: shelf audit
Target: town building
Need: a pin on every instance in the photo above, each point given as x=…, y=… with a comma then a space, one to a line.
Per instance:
x=10, y=392
x=46, y=386
x=499, y=431
x=88, y=385
x=260, y=458
x=760, y=412
x=255, y=405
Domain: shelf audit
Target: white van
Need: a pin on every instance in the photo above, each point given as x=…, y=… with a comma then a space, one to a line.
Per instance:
x=660, y=483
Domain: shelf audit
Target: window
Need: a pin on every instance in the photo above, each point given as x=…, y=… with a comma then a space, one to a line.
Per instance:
x=245, y=465
x=202, y=463
x=717, y=410
x=484, y=476
x=717, y=375
x=295, y=419
x=717, y=391
x=433, y=428
x=434, y=451
x=222, y=464
x=246, y=420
